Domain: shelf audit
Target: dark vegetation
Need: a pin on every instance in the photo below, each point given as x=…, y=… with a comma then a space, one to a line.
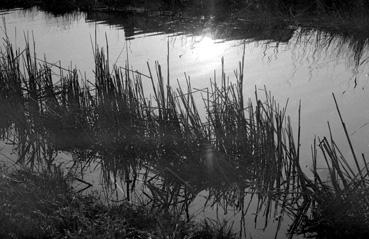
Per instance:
x=44, y=205
x=285, y=7
x=256, y=19
x=53, y=6
x=336, y=207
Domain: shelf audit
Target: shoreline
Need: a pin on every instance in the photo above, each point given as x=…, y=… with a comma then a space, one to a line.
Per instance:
x=348, y=26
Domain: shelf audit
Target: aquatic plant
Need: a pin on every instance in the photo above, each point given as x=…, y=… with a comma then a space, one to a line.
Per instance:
x=337, y=206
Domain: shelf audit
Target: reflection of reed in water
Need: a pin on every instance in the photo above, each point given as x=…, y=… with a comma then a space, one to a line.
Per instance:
x=325, y=44
x=216, y=166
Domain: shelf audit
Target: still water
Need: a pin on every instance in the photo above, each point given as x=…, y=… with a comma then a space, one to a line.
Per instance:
x=304, y=65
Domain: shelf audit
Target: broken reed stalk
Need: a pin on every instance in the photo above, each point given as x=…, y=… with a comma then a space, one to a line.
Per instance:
x=347, y=137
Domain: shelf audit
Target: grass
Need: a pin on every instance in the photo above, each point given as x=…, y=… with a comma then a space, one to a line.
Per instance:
x=44, y=205
x=337, y=207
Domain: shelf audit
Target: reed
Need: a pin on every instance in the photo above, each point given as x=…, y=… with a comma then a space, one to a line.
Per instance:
x=337, y=207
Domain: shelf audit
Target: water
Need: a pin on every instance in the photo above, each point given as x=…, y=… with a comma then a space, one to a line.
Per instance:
x=293, y=63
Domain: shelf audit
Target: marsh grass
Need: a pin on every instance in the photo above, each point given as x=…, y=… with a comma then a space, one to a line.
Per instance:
x=44, y=205
x=237, y=151
x=162, y=140
x=337, y=207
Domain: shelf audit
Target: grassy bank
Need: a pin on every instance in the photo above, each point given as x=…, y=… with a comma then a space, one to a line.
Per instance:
x=283, y=8
x=292, y=6
x=257, y=19
x=44, y=205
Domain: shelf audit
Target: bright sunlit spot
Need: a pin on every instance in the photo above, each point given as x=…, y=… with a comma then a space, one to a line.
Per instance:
x=204, y=48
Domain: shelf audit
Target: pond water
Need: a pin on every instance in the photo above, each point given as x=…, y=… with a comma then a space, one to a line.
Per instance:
x=293, y=63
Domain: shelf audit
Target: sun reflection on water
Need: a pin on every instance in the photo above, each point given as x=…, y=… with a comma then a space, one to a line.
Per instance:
x=205, y=48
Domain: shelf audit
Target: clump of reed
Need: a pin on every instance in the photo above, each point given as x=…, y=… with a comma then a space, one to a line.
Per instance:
x=37, y=113
x=235, y=151
x=10, y=90
x=336, y=207
x=18, y=96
